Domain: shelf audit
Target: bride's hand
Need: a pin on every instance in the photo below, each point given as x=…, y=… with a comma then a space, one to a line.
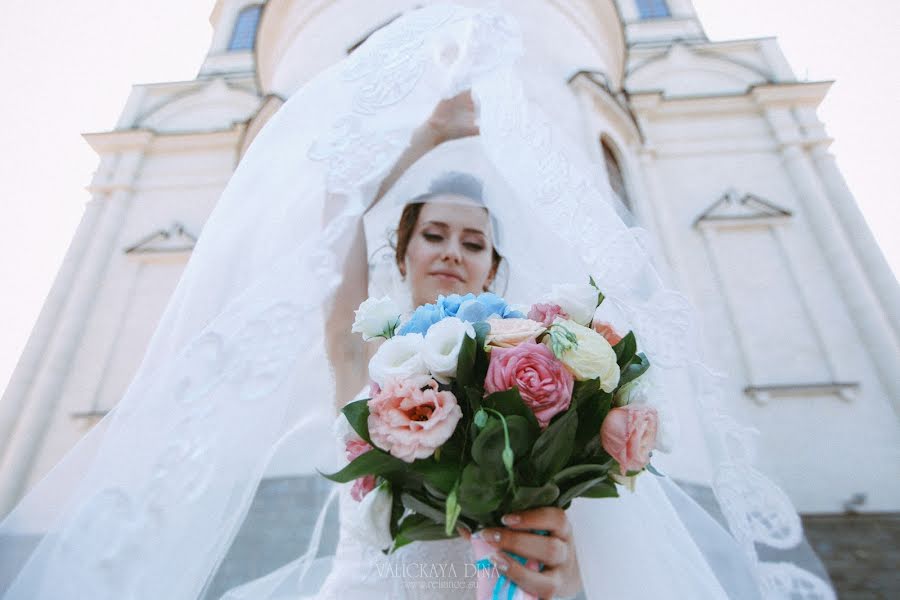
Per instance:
x=453, y=118
x=556, y=551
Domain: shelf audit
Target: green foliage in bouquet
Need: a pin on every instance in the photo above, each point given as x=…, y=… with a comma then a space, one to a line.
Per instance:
x=498, y=460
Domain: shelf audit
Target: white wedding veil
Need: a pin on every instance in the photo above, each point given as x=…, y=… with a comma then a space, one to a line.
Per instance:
x=147, y=505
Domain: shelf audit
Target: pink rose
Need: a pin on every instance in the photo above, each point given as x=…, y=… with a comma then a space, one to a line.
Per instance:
x=355, y=448
x=607, y=331
x=628, y=433
x=506, y=333
x=546, y=313
x=544, y=383
x=411, y=422
x=362, y=486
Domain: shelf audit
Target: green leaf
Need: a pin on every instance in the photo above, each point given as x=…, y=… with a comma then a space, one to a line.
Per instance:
x=567, y=476
x=578, y=489
x=510, y=403
x=441, y=475
x=452, y=511
x=603, y=489
x=625, y=350
x=480, y=491
x=600, y=295
x=554, y=447
x=420, y=506
x=534, y=497
x=653, y=470
x=637, y=367
x=418, y=528
x=487, y=449
x=373, y=462
x=357, y=414
x=466, y=362
x=592, y=404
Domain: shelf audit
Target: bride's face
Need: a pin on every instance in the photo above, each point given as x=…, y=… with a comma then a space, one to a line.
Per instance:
x=450, y=251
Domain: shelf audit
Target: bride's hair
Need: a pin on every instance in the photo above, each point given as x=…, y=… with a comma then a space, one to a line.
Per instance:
x=451, y=182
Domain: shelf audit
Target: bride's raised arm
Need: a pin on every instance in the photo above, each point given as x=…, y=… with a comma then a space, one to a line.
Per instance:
x=451, y=119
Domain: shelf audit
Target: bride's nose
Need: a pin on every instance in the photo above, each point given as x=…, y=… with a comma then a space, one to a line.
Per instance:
x=452, y=251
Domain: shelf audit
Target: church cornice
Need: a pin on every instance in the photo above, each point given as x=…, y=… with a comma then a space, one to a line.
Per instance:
x=121, y=140
x=656, y=103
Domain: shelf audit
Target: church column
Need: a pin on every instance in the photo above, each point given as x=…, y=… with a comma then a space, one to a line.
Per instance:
x=33, y=426
x=865, y=311
x=13, y=403
x=859, y=234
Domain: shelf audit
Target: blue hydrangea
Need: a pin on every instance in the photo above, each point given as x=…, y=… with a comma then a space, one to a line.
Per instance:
x=469, y=308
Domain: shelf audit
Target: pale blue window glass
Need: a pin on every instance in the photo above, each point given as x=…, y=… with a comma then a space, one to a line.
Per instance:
x=243, y=36
x=653, y=9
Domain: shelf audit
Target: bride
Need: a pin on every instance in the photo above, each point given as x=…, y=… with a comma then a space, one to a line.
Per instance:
x=253, y=356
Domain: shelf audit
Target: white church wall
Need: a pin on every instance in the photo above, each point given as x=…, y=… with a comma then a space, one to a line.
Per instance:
x=773, y=313
x=179, y=180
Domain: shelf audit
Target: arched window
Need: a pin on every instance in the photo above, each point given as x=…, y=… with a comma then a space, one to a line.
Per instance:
x=243, y=37
x=653, y=9
x=614, y=173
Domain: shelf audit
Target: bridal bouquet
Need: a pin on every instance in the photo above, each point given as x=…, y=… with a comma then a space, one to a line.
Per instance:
x=478, y=409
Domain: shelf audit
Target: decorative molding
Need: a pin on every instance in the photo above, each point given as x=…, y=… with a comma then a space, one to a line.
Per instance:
x=89, y=418
x=762, y=394
x=175, y=241
x=732, y=210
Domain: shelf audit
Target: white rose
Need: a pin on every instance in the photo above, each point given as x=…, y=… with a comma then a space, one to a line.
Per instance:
x=578, y=300
x=376, y=318
x=374, y=519
x=442, y=344
x=399, y=357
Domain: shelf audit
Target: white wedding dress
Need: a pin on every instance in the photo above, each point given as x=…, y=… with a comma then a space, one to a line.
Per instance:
x=148, y=503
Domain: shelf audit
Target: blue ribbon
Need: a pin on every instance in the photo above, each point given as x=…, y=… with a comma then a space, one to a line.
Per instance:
x=502, y=581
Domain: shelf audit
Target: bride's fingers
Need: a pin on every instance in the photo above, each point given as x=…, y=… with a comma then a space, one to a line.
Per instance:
x=548, y=550
x=547, y=518
x=542, y=584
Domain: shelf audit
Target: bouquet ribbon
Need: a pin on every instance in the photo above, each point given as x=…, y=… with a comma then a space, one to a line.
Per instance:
x=483, y=549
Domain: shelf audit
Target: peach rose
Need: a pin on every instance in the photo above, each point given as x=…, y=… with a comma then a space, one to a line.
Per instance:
x=543, y=382
x=628, y=433
x=410, y=418
x=607, y=331
x=506, y=333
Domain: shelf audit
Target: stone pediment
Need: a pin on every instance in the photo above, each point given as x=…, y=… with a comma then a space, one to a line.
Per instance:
x=690, y=70
x=175, y=240
x=735, y=209
x=212, y=105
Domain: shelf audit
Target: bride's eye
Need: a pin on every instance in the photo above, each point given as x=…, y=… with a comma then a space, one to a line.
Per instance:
x=474, y=247
x=432, y=237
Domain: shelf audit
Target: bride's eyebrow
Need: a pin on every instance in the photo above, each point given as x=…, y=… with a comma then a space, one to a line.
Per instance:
x=445, y=226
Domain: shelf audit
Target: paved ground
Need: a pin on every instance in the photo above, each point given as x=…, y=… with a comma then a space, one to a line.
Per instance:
x=861, y=553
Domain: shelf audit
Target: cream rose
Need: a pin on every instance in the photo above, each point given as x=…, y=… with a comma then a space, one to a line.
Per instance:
x=591, y=358
x=506, y=333
x=442, y=345
x=579, y=301
x=399, y=357
x=376, y=317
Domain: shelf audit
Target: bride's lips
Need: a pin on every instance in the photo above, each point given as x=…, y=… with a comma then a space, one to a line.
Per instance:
x=446, y=276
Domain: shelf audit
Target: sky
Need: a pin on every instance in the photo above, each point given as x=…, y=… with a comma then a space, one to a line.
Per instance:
x=68, y=68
